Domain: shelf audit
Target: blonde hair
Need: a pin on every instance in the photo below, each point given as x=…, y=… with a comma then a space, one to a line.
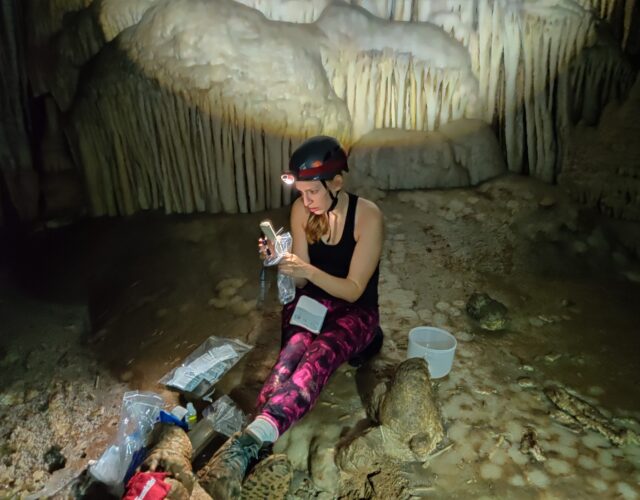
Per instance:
x=317, y=225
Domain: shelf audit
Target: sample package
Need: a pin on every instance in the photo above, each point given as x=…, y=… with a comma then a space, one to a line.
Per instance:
x=226, y=416
x=139, y=413
x=286, y=284
x=206, y=365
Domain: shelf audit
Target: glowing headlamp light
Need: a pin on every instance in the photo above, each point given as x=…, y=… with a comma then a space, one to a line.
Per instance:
x=288, y=179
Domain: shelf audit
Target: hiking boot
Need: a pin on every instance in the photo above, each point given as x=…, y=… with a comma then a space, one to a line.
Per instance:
x=269, y=480
x=222, y=476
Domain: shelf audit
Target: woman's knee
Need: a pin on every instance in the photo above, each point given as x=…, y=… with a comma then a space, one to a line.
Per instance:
x=327, y=352
x=296, y=338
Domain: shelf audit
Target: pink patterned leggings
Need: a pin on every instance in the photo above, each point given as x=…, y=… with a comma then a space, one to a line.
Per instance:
x=306, y=360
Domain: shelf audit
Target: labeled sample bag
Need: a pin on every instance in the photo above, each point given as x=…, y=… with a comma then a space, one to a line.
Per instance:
x=205, y=366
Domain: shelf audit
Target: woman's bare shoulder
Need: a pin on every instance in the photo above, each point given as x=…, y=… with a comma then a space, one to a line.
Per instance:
x=368, y=209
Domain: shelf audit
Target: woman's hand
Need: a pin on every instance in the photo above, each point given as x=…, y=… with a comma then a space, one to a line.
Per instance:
x=294, y=266
x=265, y=248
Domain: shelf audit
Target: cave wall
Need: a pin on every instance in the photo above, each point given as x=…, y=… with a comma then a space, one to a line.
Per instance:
x=195, y=105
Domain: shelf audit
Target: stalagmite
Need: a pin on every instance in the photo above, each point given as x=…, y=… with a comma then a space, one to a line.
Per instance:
x=409, y=425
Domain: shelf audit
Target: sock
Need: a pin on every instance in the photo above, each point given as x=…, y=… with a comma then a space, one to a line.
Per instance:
x=262, y=430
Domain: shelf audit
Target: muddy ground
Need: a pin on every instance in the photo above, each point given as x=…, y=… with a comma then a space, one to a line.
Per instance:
x=97, y=308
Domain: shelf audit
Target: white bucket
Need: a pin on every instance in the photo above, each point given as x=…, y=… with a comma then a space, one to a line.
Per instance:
x=436, y=346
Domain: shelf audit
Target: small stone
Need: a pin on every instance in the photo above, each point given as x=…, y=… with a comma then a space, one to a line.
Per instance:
x=463, y=336
x=632, y=276
x=126, y=376
x=31, y=394
x=552, y=358
x=489, y=313
x=442, y=306
x=537, y=322
x=54, y=459
x=243, y=308
x=218, y=303
x=439, y=319
x=547, y=202
x=456, y=205
x=227, y=293
x=12, y=397
x=526, y=383
x=454, y=312
x=425, y=314
x=579, y=247
x=620, y=259
x=596, y=390
x=38, y=475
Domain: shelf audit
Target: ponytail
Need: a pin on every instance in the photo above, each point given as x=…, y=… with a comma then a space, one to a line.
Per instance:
x=317, y=225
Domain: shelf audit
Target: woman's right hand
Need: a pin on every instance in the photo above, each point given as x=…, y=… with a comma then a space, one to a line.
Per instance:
x=265, y=248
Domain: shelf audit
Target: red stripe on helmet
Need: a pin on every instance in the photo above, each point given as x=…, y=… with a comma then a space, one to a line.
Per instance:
x=330, y=167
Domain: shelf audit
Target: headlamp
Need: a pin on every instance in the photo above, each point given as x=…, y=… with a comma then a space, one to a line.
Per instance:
x=288, y=179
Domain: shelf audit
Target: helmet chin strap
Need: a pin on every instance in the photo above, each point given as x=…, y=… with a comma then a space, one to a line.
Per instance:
x=334, y=197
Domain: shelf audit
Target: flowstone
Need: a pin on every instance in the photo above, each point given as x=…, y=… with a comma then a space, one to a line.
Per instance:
x=410, y=426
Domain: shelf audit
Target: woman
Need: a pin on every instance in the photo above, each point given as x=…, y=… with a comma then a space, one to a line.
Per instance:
x=337, y=242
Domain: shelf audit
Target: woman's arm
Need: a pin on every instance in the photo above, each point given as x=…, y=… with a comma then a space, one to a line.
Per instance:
x=369, y=237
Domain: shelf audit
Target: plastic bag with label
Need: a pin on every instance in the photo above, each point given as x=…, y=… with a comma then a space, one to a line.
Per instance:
x=205, y=366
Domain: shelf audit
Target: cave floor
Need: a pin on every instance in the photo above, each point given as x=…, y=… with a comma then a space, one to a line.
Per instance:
x=100, y=307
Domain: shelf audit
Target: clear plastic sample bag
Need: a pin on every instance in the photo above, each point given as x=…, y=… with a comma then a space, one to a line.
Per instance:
x=286, y=284
x=227, y=418
x=206, y=365
x=138, y=415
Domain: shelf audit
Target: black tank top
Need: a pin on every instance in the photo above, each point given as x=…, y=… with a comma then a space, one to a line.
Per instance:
x=336, y=259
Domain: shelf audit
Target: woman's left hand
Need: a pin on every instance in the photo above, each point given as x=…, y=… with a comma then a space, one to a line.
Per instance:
x=294, y=266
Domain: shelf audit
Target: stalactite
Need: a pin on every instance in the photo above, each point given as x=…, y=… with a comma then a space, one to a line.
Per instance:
x=184, y=125
x=14, y=117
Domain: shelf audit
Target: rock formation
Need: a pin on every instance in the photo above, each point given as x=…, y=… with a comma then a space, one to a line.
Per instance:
x=195, y=105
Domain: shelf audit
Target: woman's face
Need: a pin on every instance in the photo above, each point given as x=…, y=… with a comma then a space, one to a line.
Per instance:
x=314, y=196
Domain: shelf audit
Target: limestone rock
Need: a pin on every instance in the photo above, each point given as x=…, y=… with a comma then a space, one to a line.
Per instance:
x=54, y=459
x=410, y=424
x=489, y=313
x=408, y=406
x=448, y=157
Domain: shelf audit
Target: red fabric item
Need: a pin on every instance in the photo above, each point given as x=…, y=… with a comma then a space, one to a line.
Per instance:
x=147, y=486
